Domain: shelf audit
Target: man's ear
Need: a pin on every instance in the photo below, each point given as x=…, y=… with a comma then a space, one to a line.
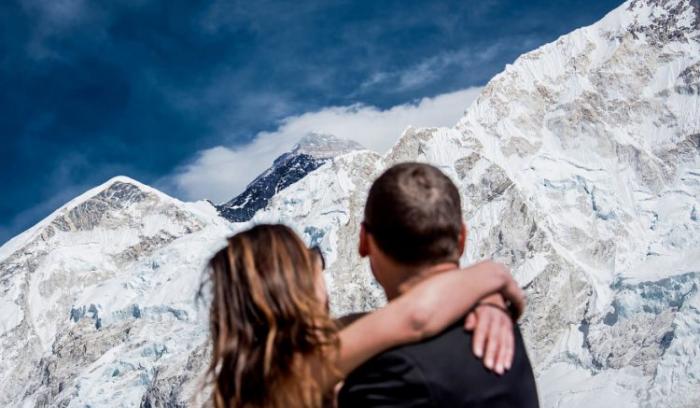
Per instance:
x=364, y=241
x=463, y=239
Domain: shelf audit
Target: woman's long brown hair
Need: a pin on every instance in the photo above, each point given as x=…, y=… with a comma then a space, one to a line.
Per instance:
x=272, y=338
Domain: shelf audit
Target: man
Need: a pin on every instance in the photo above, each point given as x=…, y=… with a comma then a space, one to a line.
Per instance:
x=413, y=229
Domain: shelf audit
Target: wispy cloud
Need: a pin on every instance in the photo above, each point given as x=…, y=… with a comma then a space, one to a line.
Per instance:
x=57, y=13
x=425, y=72
x=52, y=18
x=221, y=172
x=435, y=68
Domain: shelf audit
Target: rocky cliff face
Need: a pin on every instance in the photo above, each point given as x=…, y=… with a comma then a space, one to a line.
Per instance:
x=579, y=167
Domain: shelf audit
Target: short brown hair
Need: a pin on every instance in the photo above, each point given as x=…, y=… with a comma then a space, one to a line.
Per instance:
x=414, y=213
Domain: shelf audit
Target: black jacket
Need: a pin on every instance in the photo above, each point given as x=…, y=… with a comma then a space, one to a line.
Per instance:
x=440, y=372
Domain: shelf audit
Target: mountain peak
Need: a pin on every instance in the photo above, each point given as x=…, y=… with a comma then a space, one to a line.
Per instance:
x=87, y=209
x=110, y=187
x=323, y=146
x=310, y=153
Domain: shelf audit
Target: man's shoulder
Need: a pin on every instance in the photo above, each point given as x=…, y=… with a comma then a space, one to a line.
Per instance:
x=414, y=353
x=439, y=357
x=449, y=372
x=404, y=376
x=388, y=379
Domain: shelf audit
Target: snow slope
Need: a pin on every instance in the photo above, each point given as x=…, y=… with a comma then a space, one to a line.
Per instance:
x=97, y=300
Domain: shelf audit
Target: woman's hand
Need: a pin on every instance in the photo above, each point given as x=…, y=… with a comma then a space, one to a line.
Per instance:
x=493, y=337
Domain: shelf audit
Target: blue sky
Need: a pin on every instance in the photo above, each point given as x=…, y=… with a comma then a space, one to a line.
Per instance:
x=154, y=89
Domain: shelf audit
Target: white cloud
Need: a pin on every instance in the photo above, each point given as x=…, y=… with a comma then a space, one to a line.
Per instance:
x=433, y=68
x=58, y=13
x=54, y=18
x=220, y=173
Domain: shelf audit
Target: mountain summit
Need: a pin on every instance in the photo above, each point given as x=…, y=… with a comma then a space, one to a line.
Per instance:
x=310, y=153
x=324, y=146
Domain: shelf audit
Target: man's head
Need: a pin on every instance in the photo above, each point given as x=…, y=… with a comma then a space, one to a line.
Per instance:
x=413, y=218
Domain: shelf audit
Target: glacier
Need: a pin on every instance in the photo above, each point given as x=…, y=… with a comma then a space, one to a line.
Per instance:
x=578, y=165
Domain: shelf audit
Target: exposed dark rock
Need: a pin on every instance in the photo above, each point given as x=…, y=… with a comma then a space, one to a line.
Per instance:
x=286, y=171
x=309, y=154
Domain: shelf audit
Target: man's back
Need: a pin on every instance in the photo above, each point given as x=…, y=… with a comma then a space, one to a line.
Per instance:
x=440, y=372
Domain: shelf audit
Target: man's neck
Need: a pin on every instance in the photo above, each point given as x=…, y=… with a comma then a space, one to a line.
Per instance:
x=416, y=275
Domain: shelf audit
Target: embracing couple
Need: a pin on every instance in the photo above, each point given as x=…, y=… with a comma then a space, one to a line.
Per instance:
x=444, y=339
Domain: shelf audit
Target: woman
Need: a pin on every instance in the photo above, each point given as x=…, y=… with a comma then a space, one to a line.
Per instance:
x=273, y=342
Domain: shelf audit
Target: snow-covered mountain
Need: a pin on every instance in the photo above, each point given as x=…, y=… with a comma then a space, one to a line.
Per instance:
x=579, y=166
x=97, y=300
x=310, y=153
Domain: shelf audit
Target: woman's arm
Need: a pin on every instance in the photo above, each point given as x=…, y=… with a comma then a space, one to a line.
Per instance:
x=424, y=311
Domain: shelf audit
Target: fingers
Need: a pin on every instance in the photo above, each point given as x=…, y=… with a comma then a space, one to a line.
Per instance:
x=481, y=332
x=500, y=366
x=470, y=322
x=494, y=336
x=504, y=359
x=492, y=345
